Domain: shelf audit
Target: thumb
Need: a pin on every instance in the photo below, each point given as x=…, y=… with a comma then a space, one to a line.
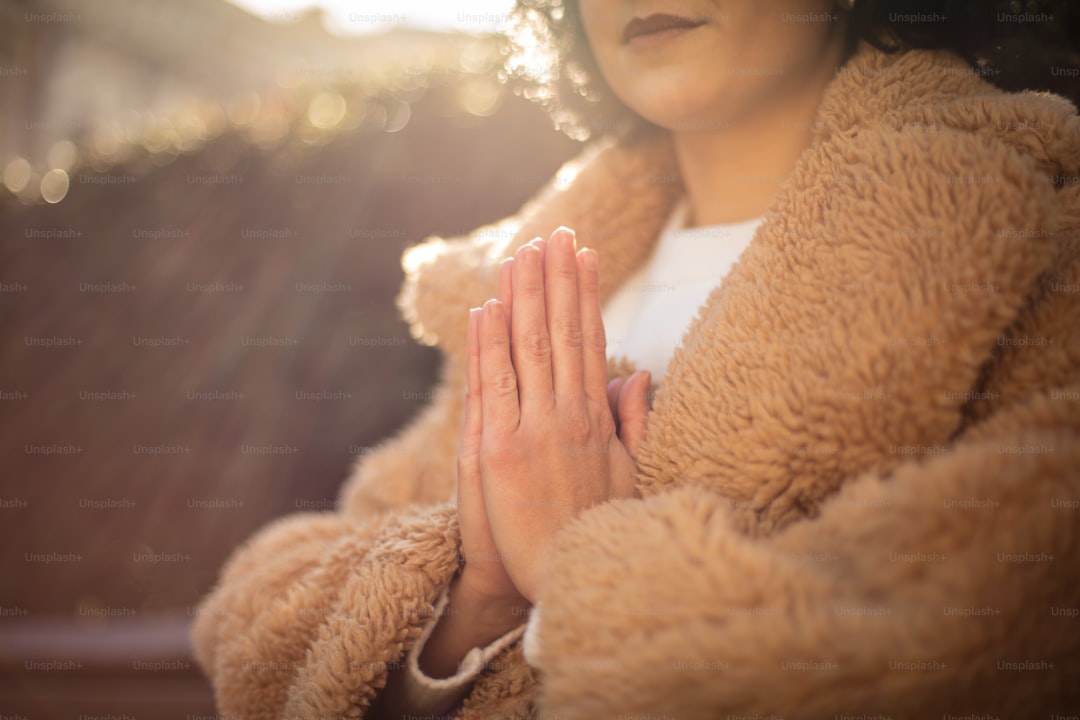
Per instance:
x=634, y=410
x=614, y=387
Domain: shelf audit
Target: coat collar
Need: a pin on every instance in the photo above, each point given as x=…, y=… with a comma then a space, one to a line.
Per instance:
x=847, y=338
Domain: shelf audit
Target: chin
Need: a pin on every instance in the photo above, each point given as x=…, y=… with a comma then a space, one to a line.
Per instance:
x=670, y=96
x=680, y=112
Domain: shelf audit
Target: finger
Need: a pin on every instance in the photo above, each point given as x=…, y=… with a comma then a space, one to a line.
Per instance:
x=564, y=317
x=473, y=417
x=613, y=389
x=593, y=340
x=539, y=244
x=469, y=449
x=634, y=411
x=470, y=491
x=531, y=348
x=505, y=292
x=498, y=382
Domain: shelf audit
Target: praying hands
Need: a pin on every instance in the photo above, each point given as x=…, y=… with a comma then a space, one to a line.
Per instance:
x=546, y=436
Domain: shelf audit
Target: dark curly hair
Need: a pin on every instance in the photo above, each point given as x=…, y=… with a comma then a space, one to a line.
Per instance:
x=1015, y=45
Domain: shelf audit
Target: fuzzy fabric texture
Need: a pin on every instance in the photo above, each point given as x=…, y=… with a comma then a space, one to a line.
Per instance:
x=861, y=477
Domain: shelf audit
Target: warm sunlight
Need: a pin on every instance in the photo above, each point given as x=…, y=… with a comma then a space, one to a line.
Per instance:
x=349, y=16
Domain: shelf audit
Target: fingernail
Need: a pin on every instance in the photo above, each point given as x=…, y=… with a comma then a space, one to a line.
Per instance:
x=530, y=255
x=565, y=236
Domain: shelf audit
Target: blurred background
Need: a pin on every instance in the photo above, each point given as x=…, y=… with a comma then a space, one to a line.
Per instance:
x=202, y=210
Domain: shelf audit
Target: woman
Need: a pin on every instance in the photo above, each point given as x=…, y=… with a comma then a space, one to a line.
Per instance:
x=855, y=492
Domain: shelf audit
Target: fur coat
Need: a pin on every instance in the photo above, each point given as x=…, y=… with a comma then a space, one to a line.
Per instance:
x=860, y=484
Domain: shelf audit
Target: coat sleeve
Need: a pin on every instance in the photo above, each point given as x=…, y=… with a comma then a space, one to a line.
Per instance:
x=309, y=615
x=943, y=588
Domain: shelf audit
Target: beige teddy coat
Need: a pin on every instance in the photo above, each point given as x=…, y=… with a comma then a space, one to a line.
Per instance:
x=861, y=477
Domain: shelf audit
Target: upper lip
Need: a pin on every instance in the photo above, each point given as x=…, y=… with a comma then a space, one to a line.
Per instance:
x=658, y=22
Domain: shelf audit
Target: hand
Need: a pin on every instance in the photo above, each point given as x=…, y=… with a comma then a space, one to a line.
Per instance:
x=548, y=443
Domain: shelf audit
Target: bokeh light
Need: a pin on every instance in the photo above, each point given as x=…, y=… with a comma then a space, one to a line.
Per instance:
x=17, y=175
x=326, y=110
x=54, y=186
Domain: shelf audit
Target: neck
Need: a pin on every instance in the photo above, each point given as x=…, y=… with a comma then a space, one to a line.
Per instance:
x=732, y=173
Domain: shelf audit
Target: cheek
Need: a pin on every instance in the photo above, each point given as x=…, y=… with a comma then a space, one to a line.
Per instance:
x=599, y=22
x=599, y=29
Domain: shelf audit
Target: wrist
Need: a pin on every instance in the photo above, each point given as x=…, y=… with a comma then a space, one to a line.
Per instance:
x=501, y=612
x=470, y=619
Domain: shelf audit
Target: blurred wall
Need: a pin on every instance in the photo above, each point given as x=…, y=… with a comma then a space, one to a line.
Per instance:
x=199, y=338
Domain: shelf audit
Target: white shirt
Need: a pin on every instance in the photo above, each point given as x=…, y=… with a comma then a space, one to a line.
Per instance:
x=648, y=315
x=644, y=321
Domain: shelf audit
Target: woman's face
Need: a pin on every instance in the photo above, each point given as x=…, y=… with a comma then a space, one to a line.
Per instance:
x=706, y=64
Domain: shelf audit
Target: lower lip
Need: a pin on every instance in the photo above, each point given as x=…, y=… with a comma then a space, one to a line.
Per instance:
x=657, y=39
